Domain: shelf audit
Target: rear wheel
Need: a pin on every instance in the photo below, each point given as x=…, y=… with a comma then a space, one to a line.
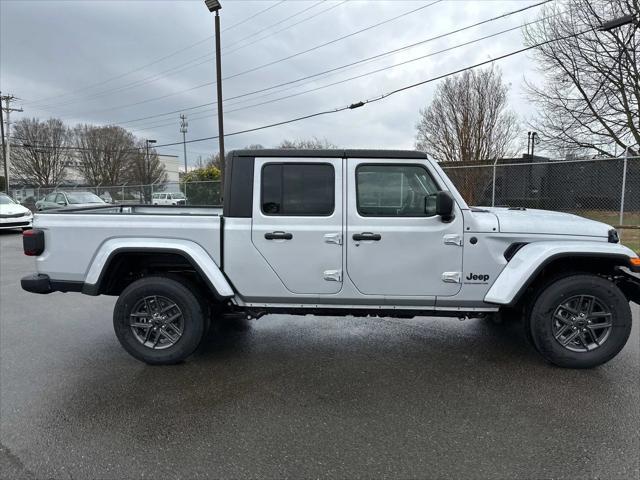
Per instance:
x=580, y=321
x=158, y=320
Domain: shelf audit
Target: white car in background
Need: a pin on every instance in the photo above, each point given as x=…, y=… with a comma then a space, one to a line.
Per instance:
x=169, y=198
x=13, y=215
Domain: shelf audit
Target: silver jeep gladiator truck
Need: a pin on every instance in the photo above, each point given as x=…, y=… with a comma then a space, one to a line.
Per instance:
x=340, y=232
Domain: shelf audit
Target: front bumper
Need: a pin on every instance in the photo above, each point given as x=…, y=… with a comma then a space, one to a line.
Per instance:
x=41, y=283
x=14, y=223
x=629, y=283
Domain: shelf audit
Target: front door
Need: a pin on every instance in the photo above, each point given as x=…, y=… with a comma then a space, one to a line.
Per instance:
x=396, y=245
x=297, y=221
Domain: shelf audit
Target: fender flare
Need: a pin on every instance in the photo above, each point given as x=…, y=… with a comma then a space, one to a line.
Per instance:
x=525, y=265
x=191, y=251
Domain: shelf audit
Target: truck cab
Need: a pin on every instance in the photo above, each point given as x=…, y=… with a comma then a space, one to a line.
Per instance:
x=355, y=222
x=341, y=232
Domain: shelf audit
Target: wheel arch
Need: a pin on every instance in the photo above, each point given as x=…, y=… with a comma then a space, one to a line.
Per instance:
x=535, y=263
x=116, y=266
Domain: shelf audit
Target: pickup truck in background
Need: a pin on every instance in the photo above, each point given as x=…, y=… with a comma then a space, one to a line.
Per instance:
x=340, y=232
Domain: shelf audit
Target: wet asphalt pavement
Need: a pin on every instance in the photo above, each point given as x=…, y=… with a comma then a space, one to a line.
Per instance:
x=292, y=397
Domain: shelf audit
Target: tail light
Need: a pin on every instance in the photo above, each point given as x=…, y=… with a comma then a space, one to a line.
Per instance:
x=33, y=242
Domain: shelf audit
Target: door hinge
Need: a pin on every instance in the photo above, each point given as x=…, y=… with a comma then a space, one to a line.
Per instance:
x=333, y=238
x=333, y=275
x=451, y=277
x=453, y=239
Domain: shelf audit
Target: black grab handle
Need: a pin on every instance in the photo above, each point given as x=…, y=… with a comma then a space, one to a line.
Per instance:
x=278, y=236
x=367, y=236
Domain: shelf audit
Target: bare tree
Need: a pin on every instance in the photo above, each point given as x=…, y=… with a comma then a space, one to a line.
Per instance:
x=104, y=153
x=590, y=100
x=146, y=169
x=468, y=119
x=313, y=143
x=40, y=157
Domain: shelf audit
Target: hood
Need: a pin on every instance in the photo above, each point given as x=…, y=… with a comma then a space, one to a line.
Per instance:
x=12, y=209
x=547, y=222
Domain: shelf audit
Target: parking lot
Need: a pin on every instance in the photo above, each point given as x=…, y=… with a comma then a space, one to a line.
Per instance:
x=301, y=397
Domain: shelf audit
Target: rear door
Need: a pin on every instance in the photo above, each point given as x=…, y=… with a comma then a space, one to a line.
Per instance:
x=395, y=247
x=297, y=221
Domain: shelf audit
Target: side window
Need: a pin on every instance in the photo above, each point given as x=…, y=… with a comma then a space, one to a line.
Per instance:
x=60, y=198
x=51, y=198
x=169, y=196
x=306, y=189
x=395, y=191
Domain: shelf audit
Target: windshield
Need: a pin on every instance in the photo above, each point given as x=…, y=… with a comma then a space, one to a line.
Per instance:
x=5, y=200
x=178, y=195
x=83, y=197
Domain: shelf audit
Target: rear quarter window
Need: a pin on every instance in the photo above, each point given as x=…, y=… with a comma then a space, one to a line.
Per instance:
x=298, y=189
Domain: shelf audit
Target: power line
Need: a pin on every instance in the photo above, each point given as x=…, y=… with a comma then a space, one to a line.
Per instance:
x=344, y=37
x=382, y=96
x=362, y=103
x=242, y=22
x=268, y=64
x=354, y=63
x=137, y=69
x=385, y=95
x=422, y=57
x=226, y=52
x=183, y=66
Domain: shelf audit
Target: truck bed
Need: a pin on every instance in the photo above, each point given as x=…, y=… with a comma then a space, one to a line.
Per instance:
x=142, y=210
x=77, y=236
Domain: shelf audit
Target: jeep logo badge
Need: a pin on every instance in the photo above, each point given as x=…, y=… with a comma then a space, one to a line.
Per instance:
x=477, y=277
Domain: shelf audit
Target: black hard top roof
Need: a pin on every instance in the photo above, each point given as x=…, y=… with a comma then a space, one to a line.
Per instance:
x=329, y=153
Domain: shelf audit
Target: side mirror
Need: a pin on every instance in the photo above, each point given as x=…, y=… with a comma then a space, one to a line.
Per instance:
x=444, y=206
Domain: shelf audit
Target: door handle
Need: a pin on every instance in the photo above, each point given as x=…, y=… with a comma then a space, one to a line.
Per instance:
x=367, y=236
x=278, y=236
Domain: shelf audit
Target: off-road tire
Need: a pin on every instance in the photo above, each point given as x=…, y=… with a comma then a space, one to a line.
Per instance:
x=194, y=320
x=540, y=320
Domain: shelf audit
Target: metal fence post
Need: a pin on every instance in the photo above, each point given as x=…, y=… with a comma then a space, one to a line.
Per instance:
x=624, y=185
x=493, y=187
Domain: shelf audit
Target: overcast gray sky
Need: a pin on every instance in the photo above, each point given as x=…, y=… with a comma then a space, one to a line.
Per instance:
x=116, y=61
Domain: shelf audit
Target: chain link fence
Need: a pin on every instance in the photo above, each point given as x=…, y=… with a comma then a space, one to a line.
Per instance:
x=607, y=190
x=170, y=193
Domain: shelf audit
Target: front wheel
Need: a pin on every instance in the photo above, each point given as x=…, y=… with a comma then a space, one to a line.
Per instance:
x=580, y=321
x=158, y=320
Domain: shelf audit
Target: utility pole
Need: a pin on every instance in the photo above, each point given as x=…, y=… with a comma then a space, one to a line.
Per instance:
x=147, y=173
x=183, y=128
x=4, y=151
x=7, y=145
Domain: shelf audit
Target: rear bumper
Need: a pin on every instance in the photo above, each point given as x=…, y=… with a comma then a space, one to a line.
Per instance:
x=41, y=283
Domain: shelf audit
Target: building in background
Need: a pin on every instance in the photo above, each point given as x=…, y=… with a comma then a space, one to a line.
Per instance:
x=74, y=179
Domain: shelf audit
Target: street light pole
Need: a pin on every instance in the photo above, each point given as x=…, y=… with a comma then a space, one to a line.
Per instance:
x=214, y=6
x=219, y=88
